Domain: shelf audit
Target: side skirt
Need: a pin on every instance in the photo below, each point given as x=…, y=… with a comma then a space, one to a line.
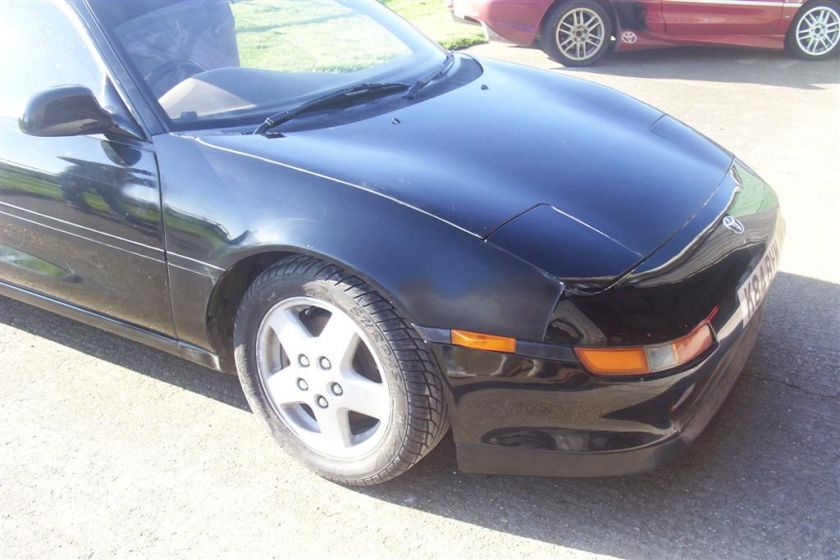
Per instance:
x=115, y=326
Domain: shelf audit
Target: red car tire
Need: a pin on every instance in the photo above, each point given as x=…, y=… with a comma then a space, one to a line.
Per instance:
x=814, y=33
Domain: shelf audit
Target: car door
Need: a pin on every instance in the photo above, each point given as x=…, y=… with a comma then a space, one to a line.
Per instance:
x=80, y=216
x=722, y=17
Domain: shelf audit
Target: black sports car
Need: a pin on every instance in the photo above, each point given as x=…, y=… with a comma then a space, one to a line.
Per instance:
x=383, y=239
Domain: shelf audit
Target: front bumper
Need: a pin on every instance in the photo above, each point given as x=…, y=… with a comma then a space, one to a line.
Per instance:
x=571, y=431
x=533, y=413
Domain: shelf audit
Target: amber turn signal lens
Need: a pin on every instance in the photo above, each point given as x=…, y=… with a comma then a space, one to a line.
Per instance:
x=481, y=341
x=614, y=361
x=642, y=360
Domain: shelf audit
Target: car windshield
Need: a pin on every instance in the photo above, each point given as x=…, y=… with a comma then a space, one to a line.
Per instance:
x=211, y=63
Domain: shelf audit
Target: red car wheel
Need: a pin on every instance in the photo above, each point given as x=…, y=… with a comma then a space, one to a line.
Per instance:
x=815, y=31
x=577, y=33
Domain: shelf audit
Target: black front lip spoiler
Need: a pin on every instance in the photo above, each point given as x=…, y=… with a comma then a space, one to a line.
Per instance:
x=722, y=368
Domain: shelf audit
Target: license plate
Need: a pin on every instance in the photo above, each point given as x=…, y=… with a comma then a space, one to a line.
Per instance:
x=752, y=291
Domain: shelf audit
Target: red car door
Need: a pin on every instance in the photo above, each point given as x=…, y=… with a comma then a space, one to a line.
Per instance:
x=722, y=17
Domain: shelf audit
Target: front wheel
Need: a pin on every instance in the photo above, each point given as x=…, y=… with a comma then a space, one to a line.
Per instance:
x=577, y=33
x=815, y=31
x=343, y=382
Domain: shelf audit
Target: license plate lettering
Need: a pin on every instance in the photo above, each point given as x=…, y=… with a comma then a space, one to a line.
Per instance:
x=755, y=288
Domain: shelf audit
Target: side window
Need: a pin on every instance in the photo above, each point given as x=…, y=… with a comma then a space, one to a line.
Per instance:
x=40, y=47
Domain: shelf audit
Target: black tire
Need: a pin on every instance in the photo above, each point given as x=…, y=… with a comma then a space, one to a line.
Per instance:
x=419, y=413
x=550, y=30
x=794, y=47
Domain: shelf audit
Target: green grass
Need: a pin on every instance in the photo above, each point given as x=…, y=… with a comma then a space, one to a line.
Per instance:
x=433, y=19
x=291, y=40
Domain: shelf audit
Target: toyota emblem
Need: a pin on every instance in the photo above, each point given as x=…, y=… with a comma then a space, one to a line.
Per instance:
x=629, y=37
x=733, y=224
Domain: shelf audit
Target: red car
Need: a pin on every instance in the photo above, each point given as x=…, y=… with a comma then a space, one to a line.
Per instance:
x=579, y=32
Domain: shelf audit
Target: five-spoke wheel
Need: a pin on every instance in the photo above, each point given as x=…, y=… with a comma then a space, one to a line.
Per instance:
x=343, y=382
x=321, y=377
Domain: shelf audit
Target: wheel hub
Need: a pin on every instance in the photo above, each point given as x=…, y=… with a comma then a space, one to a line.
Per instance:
x=818, y=31
x=332, y=395
x=580, y=33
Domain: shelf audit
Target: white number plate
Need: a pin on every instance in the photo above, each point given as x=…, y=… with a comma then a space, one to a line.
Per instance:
x=752, y=291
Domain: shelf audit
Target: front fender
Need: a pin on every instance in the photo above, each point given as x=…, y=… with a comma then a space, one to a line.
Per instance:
x=222, y=206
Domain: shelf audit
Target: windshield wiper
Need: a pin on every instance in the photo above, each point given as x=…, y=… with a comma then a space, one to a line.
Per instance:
x=431, y=76
x=348, y=95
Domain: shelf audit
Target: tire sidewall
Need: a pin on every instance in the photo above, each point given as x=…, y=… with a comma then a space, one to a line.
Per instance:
x=790, y=40
x=548, y=41
x=257, y=303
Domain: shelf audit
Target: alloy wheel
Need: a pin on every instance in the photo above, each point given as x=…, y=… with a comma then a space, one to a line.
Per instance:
x=580, y=34
x=818, y=31
x=322, y=378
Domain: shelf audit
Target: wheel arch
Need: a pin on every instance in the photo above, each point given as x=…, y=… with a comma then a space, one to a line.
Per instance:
x=234, y=282
x=803, y=6
x=807, y=3
x=226, y=296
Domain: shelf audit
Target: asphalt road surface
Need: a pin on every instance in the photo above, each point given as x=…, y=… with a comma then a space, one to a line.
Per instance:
x=108, y=448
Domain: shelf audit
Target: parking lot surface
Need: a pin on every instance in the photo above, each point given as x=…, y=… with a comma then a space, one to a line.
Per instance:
x=109, y=448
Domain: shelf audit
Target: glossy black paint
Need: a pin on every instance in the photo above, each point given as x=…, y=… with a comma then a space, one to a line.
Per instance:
x=80, y=220
x=64, y=111
x=478, y=158
x=501, y=200
x=555, y=418
x=570, y=424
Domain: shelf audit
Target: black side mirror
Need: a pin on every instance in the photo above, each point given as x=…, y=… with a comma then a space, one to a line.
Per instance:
x=64, y=111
